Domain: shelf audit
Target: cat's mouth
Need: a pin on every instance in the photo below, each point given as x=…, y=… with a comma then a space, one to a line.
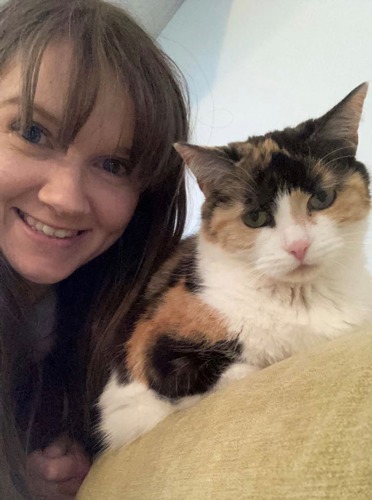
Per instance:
x=303, y=265
x=304, y=268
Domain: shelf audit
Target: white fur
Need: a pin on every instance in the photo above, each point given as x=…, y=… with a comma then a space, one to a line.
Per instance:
x=236, y=371
x=128, y=411
x=273, y=314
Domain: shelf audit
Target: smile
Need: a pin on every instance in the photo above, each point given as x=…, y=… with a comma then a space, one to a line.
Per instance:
x=50, y=231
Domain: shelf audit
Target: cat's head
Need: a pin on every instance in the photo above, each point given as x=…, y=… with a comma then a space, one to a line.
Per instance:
x=289, y=203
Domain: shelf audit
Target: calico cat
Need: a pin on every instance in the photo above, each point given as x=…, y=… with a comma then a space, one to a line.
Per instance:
x=278, y=266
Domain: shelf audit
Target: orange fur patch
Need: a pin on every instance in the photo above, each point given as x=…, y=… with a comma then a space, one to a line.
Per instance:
x=352, y=203
x=259, y=154
x=182, y=313
x=227, y=228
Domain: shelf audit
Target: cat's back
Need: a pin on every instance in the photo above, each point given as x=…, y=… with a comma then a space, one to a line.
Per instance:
x=181, y=266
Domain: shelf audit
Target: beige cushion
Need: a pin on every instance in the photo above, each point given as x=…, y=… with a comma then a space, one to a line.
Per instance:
x=301, y=429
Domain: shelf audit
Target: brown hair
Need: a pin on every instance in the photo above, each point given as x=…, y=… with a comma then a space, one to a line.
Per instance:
x=104, y=36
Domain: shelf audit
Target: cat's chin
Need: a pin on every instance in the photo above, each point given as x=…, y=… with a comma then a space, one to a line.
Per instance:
x=302, y=274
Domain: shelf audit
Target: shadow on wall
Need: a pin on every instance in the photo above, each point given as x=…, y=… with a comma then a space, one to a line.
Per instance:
x=208, y=40
x=194, y=39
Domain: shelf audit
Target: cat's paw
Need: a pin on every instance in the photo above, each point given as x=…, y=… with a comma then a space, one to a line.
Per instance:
x=128, y=411
x=235, y=372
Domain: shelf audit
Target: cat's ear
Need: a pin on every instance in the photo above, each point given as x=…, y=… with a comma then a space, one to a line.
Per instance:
x=209, y=165
x=341, y=123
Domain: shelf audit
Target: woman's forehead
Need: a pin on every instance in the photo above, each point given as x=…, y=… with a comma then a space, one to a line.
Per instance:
x=112, y=117
x=109, y=125
x=54, y=83
x=112, y=122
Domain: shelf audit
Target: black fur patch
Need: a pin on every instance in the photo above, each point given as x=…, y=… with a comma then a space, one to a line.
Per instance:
x=283, y=174
x=180, y=367
x=186, y=269
x=192, y=281
x=232, y=153
x=304, y=141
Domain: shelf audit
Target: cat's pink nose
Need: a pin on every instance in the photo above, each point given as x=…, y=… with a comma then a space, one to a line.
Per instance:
x=298, y=249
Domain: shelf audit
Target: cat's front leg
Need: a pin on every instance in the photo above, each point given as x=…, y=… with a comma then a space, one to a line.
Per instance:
x=129, y=410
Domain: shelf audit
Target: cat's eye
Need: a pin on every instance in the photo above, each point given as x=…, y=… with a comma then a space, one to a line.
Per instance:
x=322, y=199
x=256, y=218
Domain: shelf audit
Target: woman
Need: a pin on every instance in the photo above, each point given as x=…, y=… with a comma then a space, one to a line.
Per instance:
x=92, y=199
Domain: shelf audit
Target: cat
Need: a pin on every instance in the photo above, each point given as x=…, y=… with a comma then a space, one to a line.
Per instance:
x=277, y=267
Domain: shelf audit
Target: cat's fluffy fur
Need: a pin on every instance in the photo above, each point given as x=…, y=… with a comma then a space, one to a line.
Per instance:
x=238, y=298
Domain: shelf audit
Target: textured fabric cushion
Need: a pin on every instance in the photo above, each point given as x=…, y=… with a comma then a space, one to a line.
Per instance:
x=301, y=429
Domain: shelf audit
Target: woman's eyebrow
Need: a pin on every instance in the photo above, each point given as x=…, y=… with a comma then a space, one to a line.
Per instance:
x=36, y=107
x=123, y=151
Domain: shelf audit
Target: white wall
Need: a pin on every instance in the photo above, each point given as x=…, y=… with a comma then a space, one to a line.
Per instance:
x=258, y=65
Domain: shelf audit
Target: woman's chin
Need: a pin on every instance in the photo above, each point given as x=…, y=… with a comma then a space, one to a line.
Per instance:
x=43, y=276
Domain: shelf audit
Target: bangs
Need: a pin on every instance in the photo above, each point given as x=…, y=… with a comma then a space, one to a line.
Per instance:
x=106, y=40
x=84, y=77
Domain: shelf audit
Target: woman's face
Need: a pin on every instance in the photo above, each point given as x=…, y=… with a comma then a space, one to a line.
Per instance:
x=59, y=209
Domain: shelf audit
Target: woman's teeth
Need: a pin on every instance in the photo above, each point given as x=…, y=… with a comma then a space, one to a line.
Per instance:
x=49, y=231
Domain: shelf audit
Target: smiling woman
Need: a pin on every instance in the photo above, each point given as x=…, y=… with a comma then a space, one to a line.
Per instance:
x=61, y=207
x=92, y=200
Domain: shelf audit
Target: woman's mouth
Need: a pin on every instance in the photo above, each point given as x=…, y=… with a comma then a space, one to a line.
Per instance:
x=42, y=228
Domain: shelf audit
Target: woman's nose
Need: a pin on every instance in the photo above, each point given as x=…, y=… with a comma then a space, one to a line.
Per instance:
x=65, y=192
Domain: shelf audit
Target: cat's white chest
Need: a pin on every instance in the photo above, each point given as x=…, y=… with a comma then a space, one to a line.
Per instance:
x=273, y=324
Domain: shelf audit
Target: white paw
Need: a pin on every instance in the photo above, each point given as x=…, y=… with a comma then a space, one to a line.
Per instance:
x=128, y=411
x=236, y=372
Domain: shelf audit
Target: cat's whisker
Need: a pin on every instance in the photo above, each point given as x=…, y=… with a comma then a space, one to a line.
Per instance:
x=328, y=246
x=334, y=151
x=268, y=258
x=337, y=159
x=358, y=241
x=267, y=267
x=258, y=266
x=356, y=232
x=320, y=161
x=340, y=264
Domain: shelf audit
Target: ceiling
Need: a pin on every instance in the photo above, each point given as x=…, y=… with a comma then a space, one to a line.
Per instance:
x=153, y=15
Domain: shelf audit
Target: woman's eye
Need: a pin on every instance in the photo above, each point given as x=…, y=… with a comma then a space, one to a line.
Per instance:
x=256, y=218
x=33, y=134
x=322, y=199
x=115, y=166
